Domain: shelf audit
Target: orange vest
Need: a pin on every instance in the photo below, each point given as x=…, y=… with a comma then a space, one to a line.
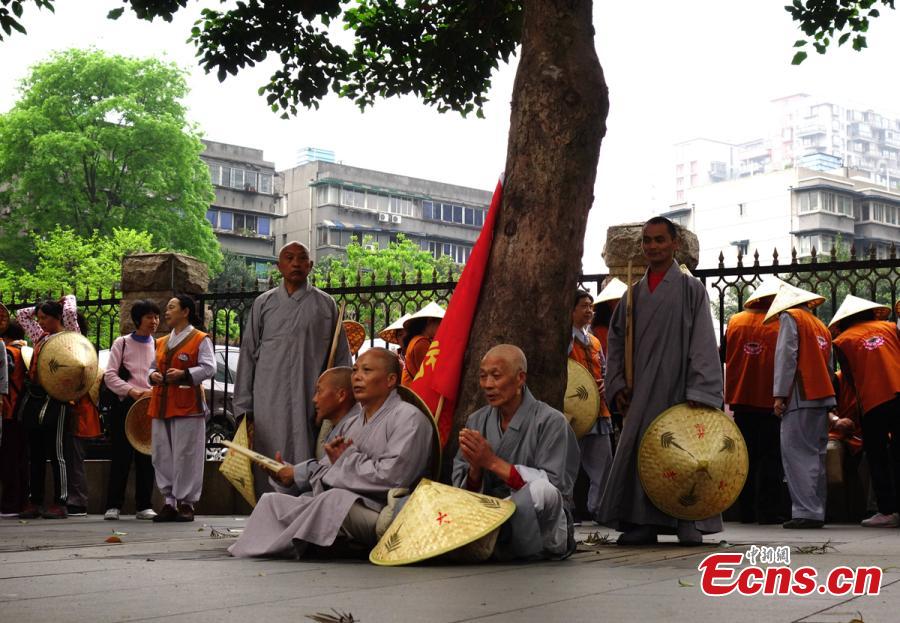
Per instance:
x=871, y=350
x=16, y=381
x=750, y=360
x=171, y=400
x=589, y=357
x=87, y=418
x=413, y=360
x=814, y=345
x=601, y=333
x=847, y=408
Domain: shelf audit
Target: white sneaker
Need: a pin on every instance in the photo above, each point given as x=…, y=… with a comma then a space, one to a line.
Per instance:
x=147, y=513
x=880, y=520
x=112, y=514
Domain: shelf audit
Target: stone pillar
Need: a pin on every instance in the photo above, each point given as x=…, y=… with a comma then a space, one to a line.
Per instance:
x=158, y=277
x=623, y=243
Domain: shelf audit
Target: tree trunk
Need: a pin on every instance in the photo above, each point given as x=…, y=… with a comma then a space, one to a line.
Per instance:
x=559, y=107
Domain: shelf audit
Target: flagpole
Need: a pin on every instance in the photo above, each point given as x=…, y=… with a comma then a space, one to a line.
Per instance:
x=440, y=407
x=337, y=334
x=629, y=332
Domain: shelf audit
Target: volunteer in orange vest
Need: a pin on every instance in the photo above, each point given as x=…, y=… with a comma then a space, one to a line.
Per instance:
x=596, y=446
x=420, y=330
x=604, y=306
x=749, y=369
x=184, y=359
x=13, y=444
x=49, y=436
x=868, y=350
x=804, y=394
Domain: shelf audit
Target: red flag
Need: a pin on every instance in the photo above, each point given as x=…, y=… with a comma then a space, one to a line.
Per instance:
x=437, y=381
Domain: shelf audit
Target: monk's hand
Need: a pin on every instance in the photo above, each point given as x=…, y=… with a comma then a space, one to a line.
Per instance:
x=175, y=375
x=844, y=426
x=336, y=448
x=476, y=449
x=779, y=407
x=156, y=378
x=623, y=400
x=285, y=475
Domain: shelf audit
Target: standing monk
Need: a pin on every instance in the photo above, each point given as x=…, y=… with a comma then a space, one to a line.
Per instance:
x=675, y=360
x=284, y=349
x=803, y=396
x=749, y=369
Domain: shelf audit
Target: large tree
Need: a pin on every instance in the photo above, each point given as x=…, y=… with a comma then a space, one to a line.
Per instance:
x=100, y=142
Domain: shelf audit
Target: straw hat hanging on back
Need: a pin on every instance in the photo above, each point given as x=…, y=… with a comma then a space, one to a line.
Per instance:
x=854, y=305
x=769, y=287
x=356, y=335
x=582, y=401
x=67, y=366
x=789, y=296
x=391, y=333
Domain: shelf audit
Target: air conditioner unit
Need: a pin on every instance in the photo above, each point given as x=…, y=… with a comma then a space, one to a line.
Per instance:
x=370, y=247
x=384, y=217
x=396, y=218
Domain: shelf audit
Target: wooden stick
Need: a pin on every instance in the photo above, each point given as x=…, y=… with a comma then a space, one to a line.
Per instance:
x=337, y=335
x=256, y=457
x=629, y=330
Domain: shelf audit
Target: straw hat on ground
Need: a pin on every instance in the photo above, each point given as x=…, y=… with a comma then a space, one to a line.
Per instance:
x=692, y=462
x=138, y=426
x=391, y=333
x=582, y=403
x=769, y=287
x=789, y=296
x=854, y=305
x=613, y=291
x=439, y=519
x=432, y=310
x=67, y=366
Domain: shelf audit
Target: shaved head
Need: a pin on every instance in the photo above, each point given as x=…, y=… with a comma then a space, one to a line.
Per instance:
x=338, y=378
x=509, y=353
x=293, y=243
x=388, y=359
x=334, y=395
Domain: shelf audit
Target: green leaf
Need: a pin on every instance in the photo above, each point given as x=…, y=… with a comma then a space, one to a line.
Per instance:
x=800, y=43
x=115, y=13
x=799, y=57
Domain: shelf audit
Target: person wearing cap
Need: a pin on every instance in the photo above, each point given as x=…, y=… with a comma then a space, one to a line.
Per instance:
x=382, y=444
x=394, y=334
x=334, y=400
x=521, y=448
x=749, y=370
x=13, y=444
x=804, y=394
x=420, y=330
x=675, y=360
x=596, y=447
x=285, y=346
x=868, y=350
x=604, y=306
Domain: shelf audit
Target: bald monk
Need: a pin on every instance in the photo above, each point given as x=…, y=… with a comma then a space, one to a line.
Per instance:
x=284, y=348
x=334, y=400
x=520, y=448
x=382, y=444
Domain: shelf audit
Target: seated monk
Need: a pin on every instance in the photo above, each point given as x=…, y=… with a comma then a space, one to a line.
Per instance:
x=521, y=448
x=382, y=444
x=333, y=401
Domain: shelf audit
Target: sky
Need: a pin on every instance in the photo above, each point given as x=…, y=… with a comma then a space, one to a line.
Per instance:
x=675, y=71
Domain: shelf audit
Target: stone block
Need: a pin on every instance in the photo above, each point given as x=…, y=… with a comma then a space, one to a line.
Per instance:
x=164, y=272
x=623, y=243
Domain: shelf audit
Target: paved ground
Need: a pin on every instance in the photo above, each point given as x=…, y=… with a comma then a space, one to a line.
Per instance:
x=64, y=571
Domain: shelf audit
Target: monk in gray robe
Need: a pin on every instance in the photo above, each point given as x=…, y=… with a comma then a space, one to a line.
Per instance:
x=334, y=400
x=382, y=444
x=523, y=449
x=675, y=360
x=285, y=346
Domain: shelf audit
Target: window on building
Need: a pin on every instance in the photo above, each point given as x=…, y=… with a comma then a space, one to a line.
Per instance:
x=213, y=217
x=694, y=180
x=827, y=201
x=237, y=178
x=215, y=173
x=693, y=166
x=353, y=198
x=469, y=216
x=457, y=214
x=679, y=182
x=250, y=181
x=264, y=225
x=323, y=237
x=479, y=217
x=428, y=209
x=265, y=183
x=679, y=169
x=226, y=220
x=402, y=205
x=878, y=212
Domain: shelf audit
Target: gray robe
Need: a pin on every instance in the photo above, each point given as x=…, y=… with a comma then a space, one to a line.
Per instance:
x=540, y=440
x=391, y=450
x=804, y=428
x=284, y=348
x=675, y=359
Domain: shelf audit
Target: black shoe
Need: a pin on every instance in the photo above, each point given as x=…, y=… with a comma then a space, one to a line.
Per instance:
x=76, y=511
x=167, y=513
x=770, y=520
x=641, y=535
x=185, y=513
x=802, y=523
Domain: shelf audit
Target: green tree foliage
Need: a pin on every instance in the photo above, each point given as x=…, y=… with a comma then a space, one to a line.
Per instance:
x=101, y=142
x=826, y=21
x=236, y=274
x=69, y=262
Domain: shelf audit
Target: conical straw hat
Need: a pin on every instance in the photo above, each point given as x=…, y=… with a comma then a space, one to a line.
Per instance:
x=67, y=366
x=613, y=291
x=582, y=404
x=94, y=391
x=439, y=519
x=854, y=305
x=139, y=426
x=356, y=335
x=390, y=333
x=769, y=287
x=236, y=466
x=408, y=395
x=789, y=296
x=27, y=352
x=432, y=310
x=692, y=462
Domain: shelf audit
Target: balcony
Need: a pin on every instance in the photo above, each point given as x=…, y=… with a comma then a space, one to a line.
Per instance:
x=811, y=129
